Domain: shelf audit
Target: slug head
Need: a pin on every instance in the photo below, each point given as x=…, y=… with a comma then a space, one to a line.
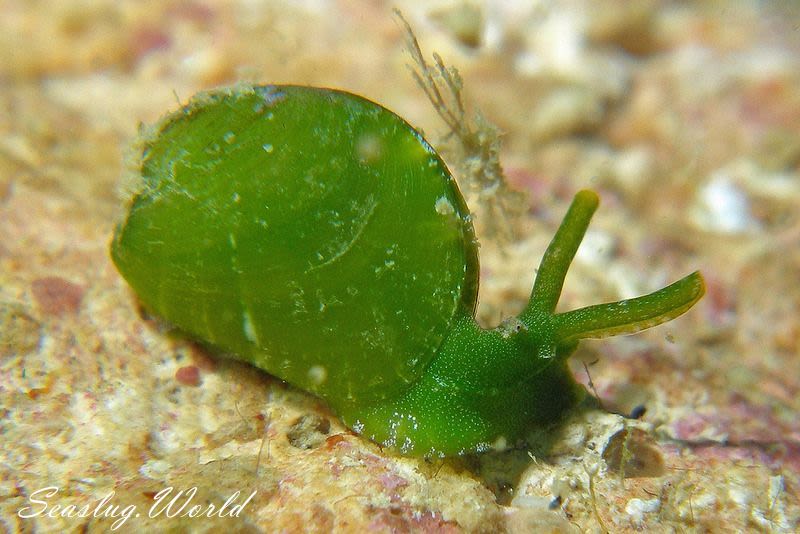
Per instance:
x=486, y=388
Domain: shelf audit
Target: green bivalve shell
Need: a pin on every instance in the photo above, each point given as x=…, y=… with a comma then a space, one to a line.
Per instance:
x=294, y=226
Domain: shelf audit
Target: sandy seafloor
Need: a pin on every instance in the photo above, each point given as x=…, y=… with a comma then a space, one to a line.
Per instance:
x=684, y=116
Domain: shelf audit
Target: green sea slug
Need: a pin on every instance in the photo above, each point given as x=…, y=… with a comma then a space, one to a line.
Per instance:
x=319, y=237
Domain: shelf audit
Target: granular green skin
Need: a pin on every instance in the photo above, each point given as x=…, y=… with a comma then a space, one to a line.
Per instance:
x=317, y=236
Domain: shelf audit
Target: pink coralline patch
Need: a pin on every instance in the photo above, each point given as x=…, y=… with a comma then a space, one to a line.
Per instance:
x=323, y=518
x=720, y=302
x=57, y=296
x=336, y=469
x=524, y=179
x=739, y=420
x=690, y=428
x=188, y=375
x=193, y=12
x=741, y=431
x=405, y=519
x=337, y=440
x=391, y=482
x=372, y=462
x=770, y=102
x=742, y=408
x=148, y=39
x=783, y=456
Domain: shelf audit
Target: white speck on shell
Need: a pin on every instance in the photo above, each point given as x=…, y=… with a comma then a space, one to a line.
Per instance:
x=249, y=329
x=500, y=444
x=443, y=206
x=317, y=374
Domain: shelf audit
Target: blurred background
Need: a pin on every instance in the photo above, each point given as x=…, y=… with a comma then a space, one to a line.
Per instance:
x=684, y=116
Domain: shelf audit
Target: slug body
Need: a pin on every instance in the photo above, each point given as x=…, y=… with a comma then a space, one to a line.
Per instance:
x=318, y=236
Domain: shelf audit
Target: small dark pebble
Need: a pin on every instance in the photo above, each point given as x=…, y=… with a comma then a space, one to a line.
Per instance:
x=638, y=412
x=634, y=453
x=188, y=375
